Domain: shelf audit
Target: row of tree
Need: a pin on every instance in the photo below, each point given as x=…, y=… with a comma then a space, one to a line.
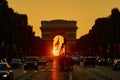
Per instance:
x=16, y=36
x=103, y=37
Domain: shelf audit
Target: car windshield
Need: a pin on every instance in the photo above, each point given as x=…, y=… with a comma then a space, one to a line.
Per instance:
x=90, y=59
x=16, y=60
x=30, y=59
x=74, y=57
x=101, y=58
x=3, y=67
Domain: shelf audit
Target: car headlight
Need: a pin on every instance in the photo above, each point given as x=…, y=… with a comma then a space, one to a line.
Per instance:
x=5, y=75
x=35, y=63
x=24, y=63
x=99, y=60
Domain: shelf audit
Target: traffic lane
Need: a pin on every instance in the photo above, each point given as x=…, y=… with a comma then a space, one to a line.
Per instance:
x=108, y=71
x=97, y=73
x=20, y=74
x=80, y=74
x=53, y=72
x=49, y=72
x=57, y=74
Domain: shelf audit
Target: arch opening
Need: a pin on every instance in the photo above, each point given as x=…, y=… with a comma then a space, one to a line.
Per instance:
x=57, y=43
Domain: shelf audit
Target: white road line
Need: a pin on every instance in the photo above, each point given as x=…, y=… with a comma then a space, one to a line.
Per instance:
x=70, y=73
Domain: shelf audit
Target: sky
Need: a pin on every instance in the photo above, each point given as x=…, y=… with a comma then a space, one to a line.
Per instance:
x=85, y=12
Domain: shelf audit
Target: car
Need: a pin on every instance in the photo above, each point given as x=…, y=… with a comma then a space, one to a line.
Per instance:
x=42, y=61
x=31, y=62
x=89, y=61
x=102, y=61
x=6, y=73
x=116, y=64
x=110, y=60
x=3, y=60
x=16, y=63
x=50, y=59
x=75, y=60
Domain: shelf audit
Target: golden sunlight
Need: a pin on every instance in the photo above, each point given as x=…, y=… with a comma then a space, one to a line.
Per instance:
x=58, y=40
x=55, y=52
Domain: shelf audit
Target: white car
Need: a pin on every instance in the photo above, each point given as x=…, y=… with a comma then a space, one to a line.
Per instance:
x=116, y=64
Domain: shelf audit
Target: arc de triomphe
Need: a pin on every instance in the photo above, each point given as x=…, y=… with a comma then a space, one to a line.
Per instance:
x=67, y=29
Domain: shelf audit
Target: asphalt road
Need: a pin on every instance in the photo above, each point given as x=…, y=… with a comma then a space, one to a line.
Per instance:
x=52, y=72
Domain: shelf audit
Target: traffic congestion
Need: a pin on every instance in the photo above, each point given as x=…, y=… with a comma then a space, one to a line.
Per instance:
x=62, y=64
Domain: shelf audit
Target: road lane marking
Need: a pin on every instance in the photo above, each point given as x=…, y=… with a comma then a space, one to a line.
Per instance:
x=70, y=75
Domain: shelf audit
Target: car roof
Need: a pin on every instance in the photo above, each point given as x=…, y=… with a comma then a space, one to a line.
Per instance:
x=90, y=57
x=31, y=57
x=5, y=63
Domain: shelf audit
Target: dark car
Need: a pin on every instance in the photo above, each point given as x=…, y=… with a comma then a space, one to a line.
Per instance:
x=76, y=60
x=50, y=59
x=3, y=60
x=42, y=61
x=116, y=64
x=31, y=62
x=110, y=60
x=6, y=73
x=16, y=63
x=102, y=61
x=89, y=61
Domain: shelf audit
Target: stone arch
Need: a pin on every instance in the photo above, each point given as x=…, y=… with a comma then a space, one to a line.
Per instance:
x=67, y=29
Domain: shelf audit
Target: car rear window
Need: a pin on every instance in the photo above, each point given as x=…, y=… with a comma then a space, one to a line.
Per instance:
x=90, y=59
x=3, y=67
x=30, y=59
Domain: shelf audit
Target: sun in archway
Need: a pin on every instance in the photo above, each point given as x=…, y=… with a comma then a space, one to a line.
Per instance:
x=55, y=52
x=58, y=40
